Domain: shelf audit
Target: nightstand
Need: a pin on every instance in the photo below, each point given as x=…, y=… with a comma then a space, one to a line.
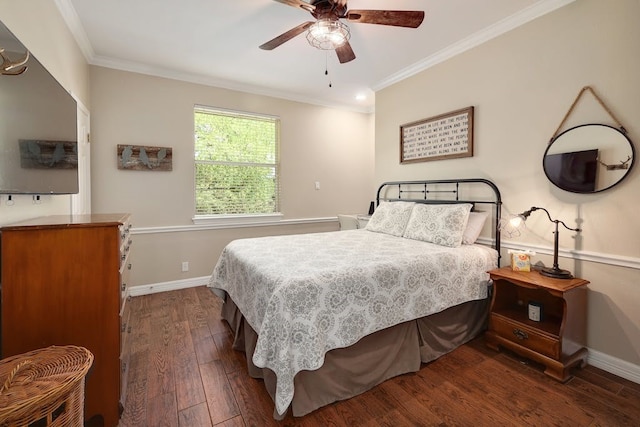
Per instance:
x=557, y=339
x=352, y=222
x=363, y=220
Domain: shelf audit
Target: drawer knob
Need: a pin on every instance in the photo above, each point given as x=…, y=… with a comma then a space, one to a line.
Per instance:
x=520, y=334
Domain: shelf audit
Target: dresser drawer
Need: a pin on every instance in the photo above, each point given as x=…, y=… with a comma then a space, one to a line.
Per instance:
x=525, y=336
x=125, y=343
x=125, y=278
x=125, y=244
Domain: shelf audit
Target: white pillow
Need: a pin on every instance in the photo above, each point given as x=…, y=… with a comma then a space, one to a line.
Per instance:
x=439, y=224
x=474, y=227
x=390, y=218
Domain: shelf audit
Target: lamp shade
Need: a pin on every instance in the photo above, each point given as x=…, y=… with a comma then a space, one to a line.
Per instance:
x=328, y=34
x=513, y=226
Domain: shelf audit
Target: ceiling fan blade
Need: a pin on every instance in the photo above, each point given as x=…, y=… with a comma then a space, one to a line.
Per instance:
x=298, y=4
x=396, y=18
x=345, y=53
x=285, y=37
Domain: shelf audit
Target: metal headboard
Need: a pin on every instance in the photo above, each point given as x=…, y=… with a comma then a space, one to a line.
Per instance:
x=477, y=191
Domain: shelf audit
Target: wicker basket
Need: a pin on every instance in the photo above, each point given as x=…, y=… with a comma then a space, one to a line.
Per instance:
x=44, y=387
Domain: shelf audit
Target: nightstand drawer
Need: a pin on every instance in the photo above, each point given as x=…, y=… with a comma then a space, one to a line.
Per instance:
x=525, y=336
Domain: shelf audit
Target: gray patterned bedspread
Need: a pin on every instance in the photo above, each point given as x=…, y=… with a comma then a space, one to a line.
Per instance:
x=310, y=293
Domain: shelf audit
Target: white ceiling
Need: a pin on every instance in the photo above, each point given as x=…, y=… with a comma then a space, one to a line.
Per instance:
x=215, y=42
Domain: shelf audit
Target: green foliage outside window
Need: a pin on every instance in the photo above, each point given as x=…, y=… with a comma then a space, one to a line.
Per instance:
x=236, y=160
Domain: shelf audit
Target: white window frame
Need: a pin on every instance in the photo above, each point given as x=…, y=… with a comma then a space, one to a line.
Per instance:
x=229, y=220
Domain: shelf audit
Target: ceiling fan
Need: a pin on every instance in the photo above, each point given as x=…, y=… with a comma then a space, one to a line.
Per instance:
x=327, y=32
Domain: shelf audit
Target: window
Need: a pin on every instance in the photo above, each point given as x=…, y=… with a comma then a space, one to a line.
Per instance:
x=236, y=162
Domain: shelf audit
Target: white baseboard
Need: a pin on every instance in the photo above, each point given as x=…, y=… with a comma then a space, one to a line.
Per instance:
x=174, y=285
x=595, y=358
x=615, y=366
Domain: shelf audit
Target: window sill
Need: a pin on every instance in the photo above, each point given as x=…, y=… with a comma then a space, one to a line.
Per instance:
x=237, y=220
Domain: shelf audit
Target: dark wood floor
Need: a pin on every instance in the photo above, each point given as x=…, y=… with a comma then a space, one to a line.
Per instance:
x=183, y=372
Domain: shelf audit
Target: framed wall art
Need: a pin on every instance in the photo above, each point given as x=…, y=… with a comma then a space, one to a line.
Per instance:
x=447, y=136
x=144, y=158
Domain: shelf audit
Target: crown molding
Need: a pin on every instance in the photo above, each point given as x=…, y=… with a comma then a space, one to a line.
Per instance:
x=501, y=27
x=72, y=20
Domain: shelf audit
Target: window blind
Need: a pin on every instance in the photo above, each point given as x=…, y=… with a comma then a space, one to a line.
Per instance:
x=236, y=163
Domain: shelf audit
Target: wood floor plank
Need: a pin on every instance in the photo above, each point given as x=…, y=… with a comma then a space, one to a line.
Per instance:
x=204, y=346
x=197, y=315
x=326, y=416
x=617, y=407
x=416, y=411
x=253, y=401
x=456, y=397
x=631, y=394
x=454, y=369
x=575, y=395
x=135, y=406
x=141, y=305
x=140, y=335
x=233, y=360
x=597, y=378
x=533, y=400
x=212, y=306
x=220, y=398
x=233, y=422
x=197, y=415
x=162, y=411
x=429, y=394
x=189, y=387
x=161, y=378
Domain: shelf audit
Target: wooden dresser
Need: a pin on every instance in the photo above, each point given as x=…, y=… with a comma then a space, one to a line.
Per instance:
x=63, y=281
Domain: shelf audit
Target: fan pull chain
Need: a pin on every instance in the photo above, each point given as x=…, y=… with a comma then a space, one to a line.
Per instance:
x=326, y=67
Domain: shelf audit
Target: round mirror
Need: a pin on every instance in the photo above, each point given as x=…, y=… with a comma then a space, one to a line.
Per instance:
x=588, y=158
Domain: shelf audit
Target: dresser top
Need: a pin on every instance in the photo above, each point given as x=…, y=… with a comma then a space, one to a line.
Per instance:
x=55, y=221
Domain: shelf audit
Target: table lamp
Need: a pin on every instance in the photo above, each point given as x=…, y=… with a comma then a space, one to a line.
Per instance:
x=555, y=271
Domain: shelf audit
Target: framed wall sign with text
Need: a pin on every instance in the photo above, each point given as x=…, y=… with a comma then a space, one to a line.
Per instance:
x=447, y=136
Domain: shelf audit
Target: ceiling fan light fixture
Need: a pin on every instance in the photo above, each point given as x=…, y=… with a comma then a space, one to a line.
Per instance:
x=328, y=34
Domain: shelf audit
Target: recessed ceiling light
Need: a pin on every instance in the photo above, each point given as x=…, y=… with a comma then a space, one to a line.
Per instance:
x=361, y=97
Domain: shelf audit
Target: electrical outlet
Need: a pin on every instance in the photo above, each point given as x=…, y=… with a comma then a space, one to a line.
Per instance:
x=185, y=266
x=317, y=185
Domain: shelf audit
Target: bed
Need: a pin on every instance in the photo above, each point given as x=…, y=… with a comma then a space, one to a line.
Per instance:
x=324, y=317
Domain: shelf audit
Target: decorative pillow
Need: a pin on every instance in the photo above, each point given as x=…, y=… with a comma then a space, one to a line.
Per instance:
x=439, y=224
x=390, y=218
x=474, y=227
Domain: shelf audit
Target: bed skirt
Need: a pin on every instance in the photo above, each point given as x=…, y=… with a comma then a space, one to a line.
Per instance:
x=350, y=371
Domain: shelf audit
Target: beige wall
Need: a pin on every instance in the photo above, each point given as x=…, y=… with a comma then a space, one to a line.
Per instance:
x=333, y=147
x=40, y=27
x=521, y=85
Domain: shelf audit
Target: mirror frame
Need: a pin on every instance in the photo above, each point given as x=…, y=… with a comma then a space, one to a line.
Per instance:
x=621, y=131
